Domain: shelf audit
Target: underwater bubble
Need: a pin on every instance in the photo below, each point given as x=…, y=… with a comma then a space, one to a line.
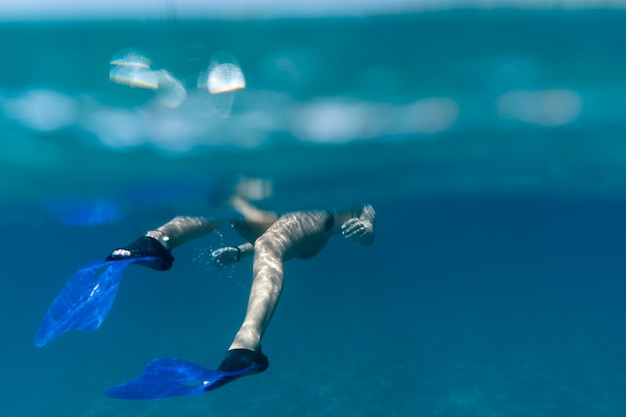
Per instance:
x=204, y=259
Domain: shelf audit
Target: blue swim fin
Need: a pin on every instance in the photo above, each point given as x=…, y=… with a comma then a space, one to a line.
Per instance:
x=168, y=377
x=85, y=300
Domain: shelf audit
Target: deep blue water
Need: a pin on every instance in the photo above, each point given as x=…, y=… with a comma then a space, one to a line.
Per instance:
x=496, y=284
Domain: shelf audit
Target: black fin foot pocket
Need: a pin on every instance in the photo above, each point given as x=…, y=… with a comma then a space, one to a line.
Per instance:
x=147, y=246
x=238, y=359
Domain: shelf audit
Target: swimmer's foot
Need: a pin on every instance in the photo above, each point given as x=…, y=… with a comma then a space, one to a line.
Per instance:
x=145, y=246
x=237, y=363
x=241, y=359
x=168, y=377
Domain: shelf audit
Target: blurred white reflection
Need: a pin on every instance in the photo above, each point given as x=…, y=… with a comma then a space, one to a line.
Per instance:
x=337, y=121
x=156, y=126
x=253, y=189
x=222, y=79
x=134, y=77
x=223, y=75
x=131, y=58
x=431, y=115
x=132, y=68
x=42, y=110
x=172, y=93
x=541, y=107
x=116, y=128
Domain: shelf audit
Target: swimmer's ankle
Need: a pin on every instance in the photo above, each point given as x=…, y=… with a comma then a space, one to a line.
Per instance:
x=160, y=237
x=240, y=346
x=248, y=337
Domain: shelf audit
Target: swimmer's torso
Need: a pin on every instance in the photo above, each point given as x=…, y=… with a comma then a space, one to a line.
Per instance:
x=305, y=234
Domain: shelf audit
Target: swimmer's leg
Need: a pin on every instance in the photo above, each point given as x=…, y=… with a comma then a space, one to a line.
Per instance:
x=254, y=221
x=285, y=239
x=160, y=242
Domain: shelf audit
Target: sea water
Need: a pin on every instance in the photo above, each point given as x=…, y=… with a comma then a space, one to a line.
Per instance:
x=491, y=144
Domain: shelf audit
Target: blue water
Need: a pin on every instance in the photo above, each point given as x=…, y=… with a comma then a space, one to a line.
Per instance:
x=490, y=143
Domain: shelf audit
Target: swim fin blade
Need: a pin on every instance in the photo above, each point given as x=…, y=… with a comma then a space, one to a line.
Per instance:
x=170, y=377
x=85, y=300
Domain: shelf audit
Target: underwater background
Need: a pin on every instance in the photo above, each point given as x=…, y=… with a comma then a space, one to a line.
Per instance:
x=490, y=141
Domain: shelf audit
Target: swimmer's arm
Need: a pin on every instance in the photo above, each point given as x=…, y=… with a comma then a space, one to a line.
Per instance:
x=361, y=229
x=245, y=250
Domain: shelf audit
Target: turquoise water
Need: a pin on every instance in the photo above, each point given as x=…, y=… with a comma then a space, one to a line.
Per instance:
x=490, y=143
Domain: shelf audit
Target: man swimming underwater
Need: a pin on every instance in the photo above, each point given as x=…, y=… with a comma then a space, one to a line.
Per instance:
x=272, y=239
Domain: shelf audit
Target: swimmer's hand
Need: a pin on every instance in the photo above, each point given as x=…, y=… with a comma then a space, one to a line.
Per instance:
x=225, y=256
x=358, y=231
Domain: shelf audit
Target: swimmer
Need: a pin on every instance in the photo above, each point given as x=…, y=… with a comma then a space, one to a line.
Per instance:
x=272, y=239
